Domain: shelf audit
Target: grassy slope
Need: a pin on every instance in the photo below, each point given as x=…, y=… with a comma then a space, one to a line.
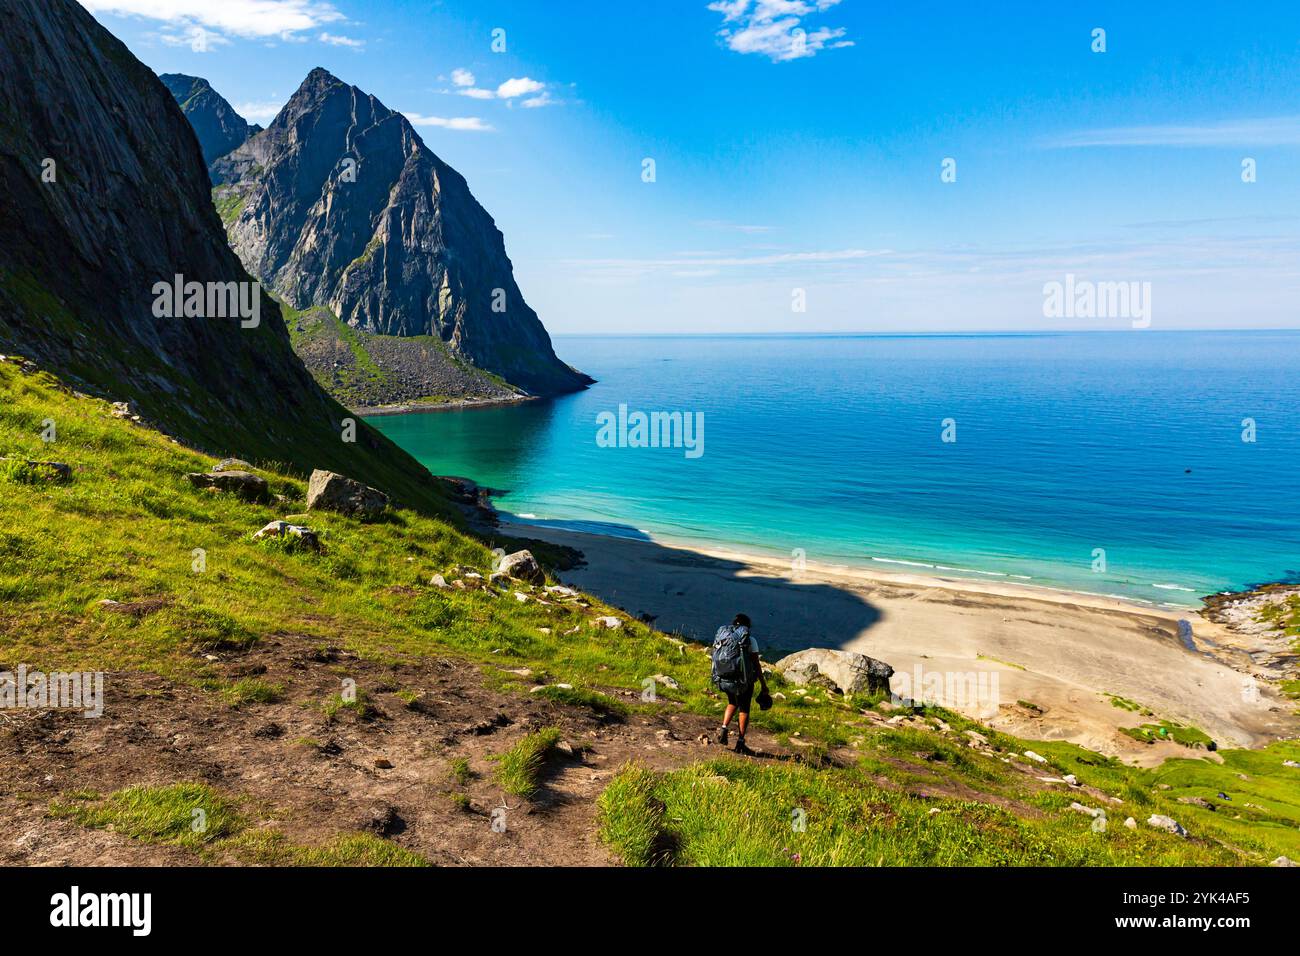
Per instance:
x=126, y=526
x=1287, y=613
x=314, y=328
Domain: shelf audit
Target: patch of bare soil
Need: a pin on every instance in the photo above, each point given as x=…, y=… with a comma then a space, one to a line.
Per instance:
x=292, y=767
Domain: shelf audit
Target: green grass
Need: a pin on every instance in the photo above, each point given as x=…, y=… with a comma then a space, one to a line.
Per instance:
x=631, y=817
x=271, y=848
x=1286, y=614
x=1168, y=730
x=734, y=813
x=229, y=205
x=183, y=814
x=460, y=770
x=520, y=768
x=195, y=817
x=249, y=690
x=577, y=696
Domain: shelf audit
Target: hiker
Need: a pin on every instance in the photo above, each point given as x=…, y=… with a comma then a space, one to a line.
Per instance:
x=736, y=668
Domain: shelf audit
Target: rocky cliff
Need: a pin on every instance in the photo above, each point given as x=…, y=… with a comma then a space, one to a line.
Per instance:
x=218, y=127
x=340, y=204
x=106, y=196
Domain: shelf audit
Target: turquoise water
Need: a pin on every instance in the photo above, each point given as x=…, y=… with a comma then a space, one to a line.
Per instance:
x=1064, y=444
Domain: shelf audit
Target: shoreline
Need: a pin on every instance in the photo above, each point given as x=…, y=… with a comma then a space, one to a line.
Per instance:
x=886, y=569
x=1071, y=655
x=455, y=405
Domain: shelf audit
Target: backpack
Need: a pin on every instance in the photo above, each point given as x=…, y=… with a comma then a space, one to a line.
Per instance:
x=730, y=654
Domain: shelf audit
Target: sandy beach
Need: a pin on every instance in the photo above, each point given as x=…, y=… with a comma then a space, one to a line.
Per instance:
x=1062, y=652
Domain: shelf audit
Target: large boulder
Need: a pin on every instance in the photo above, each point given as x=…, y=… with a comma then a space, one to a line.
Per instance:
x=849, y=671
x=327, y=491
x=245, y=484
x=522, y=566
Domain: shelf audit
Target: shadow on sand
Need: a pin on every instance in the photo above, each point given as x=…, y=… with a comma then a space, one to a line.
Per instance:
x=692, y=594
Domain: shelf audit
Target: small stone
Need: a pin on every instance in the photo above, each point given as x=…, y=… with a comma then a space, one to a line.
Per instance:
x=521, y=597
x=608, y=622
x=438, y=581
x=666, y=681
x=1162, y=822
x=1037, y=758
x=1090, y=811
x=1284, y=861
x=1131, y=823
x=282, y=529
x=383, y=763
x=1071, y=779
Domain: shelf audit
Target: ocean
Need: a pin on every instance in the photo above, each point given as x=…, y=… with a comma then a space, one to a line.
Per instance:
x=1151, y=466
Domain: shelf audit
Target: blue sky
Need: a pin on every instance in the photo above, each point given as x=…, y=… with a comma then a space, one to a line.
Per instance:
x=787, y=162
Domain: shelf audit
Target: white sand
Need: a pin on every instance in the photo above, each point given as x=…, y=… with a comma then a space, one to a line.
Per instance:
x=1061, y=651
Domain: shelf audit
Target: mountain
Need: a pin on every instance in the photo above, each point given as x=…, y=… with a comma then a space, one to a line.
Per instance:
x=218, y=127
x=106, y=201
x=339, y=204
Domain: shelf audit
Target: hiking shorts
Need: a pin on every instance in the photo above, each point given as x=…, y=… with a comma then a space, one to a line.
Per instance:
x=740, y=699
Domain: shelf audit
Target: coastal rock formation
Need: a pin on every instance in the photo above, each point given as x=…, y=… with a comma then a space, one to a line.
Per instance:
x=847, y=671
x=218, y=127
x=106, y=197
x=340, y=204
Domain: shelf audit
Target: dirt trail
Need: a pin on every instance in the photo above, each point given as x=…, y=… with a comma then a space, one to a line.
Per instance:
x=311, y=776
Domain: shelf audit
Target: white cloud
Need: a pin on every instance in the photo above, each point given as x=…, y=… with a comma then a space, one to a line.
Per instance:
x=258, y=112
x=334, y=40
x=520, y=86
x=1268, y=131
x=774, y=28
x=465, y=123
x=536, y=92
x=257, y=19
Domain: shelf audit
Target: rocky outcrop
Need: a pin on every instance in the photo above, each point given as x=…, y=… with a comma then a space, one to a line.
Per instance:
x=105, y=195
x=340, y=204
x=522, y=566
x=216, y=124
x=847, y=671
x=245, y=484
x=327, y=491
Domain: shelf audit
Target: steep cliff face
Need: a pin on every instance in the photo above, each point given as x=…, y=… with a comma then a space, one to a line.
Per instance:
x=106, y=196
x=218, y=127
x=340, y=204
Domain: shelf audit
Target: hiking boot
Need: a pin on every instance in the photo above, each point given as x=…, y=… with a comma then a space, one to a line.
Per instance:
x=723, y=734
x=741, y=748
